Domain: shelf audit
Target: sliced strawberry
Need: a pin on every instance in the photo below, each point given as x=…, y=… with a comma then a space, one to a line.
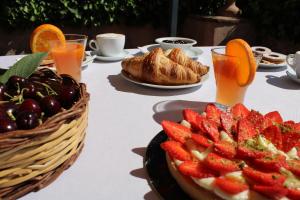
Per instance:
x=225, y=149
x=271, y=163
x=294, y=166
x=211, y=128
x=273, y=134
x=289, y=123
x=290, y=140
x=274, y=116
x=190, y=144
x=297, y=127
x=213, y=113
x=201, y=140
x=191, y=116
x=246, y=151
x=176, y=131
x=220, y=164
x=176, y=150
x=273, y=192
x=245, y=130
x=195, y=169
x=263, y=178
x=199, y=124
x=257, y=120
x=293, y=194
x=227, y=122
x=239, y=111
x=231, y=186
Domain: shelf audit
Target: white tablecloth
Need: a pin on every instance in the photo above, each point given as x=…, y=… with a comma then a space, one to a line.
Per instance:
x=124, y=117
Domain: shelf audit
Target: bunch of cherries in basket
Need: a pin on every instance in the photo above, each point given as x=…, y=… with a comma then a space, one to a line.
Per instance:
x=26, y=103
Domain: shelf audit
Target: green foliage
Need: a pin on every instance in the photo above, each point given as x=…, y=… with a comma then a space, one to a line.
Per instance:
x=24, y=67
x=276, y=18
x=206, y=7
x=95, y=13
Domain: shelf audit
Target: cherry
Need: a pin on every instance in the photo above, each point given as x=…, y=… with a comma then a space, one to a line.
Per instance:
x=68, y=96
x=30, y=105
x=68, y=80
x=15, y=82
x=8, y=110
x=7, y=125
x=2, y=91
x=50, y=105
x=27, y=120
x=29, y=90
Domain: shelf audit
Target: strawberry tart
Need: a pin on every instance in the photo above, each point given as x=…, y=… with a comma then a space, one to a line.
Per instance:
x=237, y=154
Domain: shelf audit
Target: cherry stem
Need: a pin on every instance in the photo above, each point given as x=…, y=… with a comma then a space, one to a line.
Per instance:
x=11, y=115
x=40, y=94
x=50, y=91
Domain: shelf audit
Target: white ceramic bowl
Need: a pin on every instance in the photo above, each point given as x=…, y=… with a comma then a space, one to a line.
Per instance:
x=175, y=42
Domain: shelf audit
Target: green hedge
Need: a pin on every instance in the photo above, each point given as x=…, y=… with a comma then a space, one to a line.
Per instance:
x=95, y=13
x=276, y=18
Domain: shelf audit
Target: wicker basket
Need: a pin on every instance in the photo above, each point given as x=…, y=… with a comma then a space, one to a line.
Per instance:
x=30, y=160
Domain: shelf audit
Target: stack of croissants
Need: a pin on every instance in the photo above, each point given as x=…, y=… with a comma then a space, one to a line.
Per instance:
x=172, y=67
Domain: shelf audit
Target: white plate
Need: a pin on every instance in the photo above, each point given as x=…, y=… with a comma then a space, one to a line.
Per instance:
x=169, y=87
x=110, y=58
x=88, y=59
x=292, y=75
x=272, y=65
x=193, y=52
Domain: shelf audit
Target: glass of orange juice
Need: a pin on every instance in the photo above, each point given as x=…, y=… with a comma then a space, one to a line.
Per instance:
x=68, y=56
x=233, y=74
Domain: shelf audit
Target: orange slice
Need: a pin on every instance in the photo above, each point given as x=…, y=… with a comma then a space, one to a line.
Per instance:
x=245, y=73
x=42, y=36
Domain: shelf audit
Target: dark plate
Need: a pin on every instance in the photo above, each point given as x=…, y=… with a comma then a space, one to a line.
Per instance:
x=160, y=178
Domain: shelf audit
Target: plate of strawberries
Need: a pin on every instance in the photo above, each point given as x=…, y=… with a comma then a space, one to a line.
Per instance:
x=234, y=153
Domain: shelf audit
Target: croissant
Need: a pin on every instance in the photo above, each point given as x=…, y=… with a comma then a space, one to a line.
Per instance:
x=158, y=69
x=178, y=56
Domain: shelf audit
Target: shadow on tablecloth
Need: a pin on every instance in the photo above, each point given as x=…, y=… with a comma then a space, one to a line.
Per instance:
x=142, y=173
x=120, y=84
x=283, y=82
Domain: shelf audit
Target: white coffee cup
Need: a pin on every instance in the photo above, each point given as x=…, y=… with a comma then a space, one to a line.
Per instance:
x=108, y=44
x=293, y=60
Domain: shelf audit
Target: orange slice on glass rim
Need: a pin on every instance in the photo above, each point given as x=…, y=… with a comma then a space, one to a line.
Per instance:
x=41, y=37
x=245, y=73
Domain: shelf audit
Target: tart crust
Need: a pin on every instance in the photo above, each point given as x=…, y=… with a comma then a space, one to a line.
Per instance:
x=188, y=186
x=194, y=190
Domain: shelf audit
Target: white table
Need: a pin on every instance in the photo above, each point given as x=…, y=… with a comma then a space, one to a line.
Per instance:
x=124, y=117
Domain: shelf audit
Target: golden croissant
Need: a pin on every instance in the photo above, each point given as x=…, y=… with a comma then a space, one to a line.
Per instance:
x=157, y=68
x=177, y=55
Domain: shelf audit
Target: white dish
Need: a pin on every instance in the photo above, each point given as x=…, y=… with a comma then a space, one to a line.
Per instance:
x=168, y=87
x=272, y=65
x=110, y=58
x=292, y=75
x=168, y=42
x=193, y=52
x=88, y=59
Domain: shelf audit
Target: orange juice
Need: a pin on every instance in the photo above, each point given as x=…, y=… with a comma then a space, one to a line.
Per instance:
x=68, y=59
x=235, y=68
x=229, y=92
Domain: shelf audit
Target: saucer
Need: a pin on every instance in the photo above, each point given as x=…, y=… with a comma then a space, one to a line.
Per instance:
x=272, y=65
x=292, y=76
x=110, y=58
x=193, y=52
x=88, y=59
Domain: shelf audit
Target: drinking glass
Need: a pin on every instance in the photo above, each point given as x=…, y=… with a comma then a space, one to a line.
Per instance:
x=229, y=92
x=68, y=57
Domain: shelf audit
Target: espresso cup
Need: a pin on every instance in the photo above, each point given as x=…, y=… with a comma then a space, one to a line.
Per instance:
x=293, y=60
x=108, y=44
